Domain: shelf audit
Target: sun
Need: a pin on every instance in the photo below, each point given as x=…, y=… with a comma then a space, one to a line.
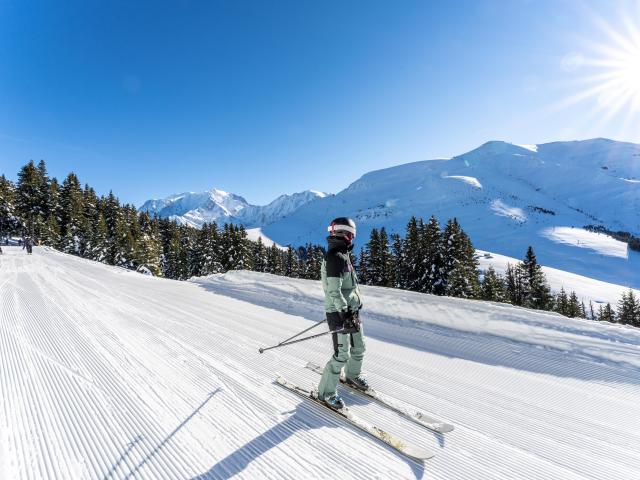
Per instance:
x=609, y=70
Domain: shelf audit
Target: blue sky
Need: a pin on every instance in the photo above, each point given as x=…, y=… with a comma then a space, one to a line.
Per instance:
x=268, y=97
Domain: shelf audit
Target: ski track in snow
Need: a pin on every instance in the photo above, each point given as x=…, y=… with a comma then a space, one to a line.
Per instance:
x=108, y=374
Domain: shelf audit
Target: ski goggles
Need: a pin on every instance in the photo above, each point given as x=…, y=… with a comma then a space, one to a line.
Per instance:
x=342, y=231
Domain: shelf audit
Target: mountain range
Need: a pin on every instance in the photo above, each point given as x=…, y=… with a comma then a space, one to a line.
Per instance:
x=195, y=209
x=505, y=196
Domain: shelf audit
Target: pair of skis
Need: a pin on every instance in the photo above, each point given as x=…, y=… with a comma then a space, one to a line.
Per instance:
x=406, y=448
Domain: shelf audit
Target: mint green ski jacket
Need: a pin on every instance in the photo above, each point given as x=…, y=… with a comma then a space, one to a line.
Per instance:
x=339, y=280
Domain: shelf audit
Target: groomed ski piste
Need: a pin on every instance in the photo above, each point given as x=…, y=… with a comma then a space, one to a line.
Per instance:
x=110, y=374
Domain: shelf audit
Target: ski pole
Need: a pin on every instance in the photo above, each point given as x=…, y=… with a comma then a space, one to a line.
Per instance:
x=303, y=331
x=283, y=344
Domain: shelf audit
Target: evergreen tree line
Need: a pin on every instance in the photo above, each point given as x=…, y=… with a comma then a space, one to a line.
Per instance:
x=430, y=259
x=73, y=219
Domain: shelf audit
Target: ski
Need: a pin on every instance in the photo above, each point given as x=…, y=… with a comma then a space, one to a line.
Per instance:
x=412, y=451
x=418, y=417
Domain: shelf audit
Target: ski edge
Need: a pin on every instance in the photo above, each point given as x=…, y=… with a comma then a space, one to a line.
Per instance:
x=413, y=452
x=417, y=417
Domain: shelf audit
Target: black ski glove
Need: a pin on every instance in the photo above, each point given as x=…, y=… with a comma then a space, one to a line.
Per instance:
x=350, y=321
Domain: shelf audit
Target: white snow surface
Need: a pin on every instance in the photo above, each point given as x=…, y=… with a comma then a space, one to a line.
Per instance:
x=468, y=180
x=110, y=374
x=597, y=242
x=502, y=209
x=532, y=148
x=254, y=233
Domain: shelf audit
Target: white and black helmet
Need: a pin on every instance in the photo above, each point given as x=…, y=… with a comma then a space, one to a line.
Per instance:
x=342, y=225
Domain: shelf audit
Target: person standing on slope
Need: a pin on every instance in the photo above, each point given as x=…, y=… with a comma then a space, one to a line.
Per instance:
x=28, y=244
x=342, y=305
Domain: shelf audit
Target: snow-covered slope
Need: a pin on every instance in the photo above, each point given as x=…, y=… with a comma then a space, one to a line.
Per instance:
x=506, y=197
x=217, y=206
x=109, y=374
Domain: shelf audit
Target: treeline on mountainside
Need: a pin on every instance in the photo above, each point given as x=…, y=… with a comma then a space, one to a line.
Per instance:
x=73, y=219
x=442, y=261
x=626, y=237
x=427, y=259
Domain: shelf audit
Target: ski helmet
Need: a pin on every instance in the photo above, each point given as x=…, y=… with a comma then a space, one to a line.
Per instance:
x=342, y=227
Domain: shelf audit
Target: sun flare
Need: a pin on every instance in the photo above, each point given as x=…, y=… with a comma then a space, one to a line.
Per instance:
x=609, y=70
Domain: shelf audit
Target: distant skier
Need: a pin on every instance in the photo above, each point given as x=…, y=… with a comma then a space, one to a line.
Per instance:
x=28, y=244
x=342, y=305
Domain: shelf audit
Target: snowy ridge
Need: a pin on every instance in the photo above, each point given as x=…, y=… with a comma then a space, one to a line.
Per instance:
x=110, y=374
x=506, y=197
x=195, y=209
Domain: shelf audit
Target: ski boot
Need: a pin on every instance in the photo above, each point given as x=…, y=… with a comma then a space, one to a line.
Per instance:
x=334, y=402
x=358, y=382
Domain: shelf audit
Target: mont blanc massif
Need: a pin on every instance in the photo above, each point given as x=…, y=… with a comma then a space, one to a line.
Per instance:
x=505, y=196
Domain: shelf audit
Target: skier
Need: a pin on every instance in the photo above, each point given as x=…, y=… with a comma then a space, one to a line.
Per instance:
x=28, y=244
x=342, y=305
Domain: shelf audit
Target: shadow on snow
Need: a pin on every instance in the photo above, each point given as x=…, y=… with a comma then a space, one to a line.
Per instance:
x=305, y=417
x=443, y=341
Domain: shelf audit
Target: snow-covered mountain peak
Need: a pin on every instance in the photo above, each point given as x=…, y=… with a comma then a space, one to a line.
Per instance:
x=217, y=205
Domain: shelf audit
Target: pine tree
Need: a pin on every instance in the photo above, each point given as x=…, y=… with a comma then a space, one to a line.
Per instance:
x=72, y=210
x=536, y=292
x=413, y=256
x=363, y=267
x=371, y=258
x=606, y=314
x=9, y=222
x=124, y=240
x=314, y=262
x=514, y=285
x=45, y=203
x=149, y=250
x=385, y=261
x=290, y=263
x=243, y=251
x=562, y=302
x=29, y=199
x=463, y=279
x=112, y=216
x=592, y=314
x=275, y=261
x=176, y=258
x=493, y=287
x=51, y=232
x=459, y=266
x=378, y=259
x=398, y=262
x=433, y=280
x=628, y=309
x=99, y=250
x=573, y=306
x=259, y=256
x=302, y=267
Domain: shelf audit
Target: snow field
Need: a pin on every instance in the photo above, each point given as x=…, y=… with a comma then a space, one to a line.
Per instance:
x=109, y=374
